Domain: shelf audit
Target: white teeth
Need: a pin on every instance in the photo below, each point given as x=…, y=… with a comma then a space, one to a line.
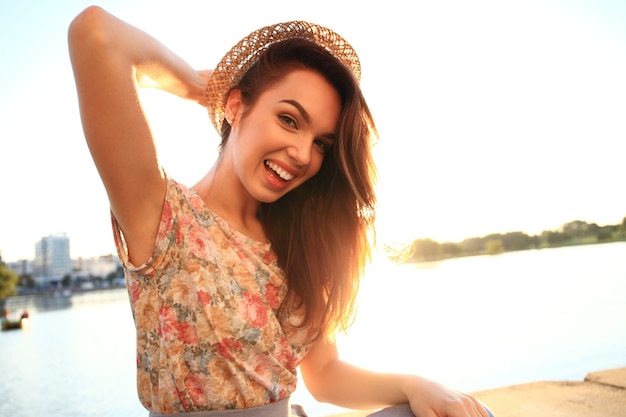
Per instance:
x=279, y=171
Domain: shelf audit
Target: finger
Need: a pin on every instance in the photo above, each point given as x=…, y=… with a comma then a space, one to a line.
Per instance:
x=486, y=411
x=206, y=74
x=482, y=409
x=468, y=406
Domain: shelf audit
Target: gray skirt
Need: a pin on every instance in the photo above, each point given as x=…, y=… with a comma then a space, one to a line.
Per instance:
x=278, y=409
x=404, y=410
x=283, y=409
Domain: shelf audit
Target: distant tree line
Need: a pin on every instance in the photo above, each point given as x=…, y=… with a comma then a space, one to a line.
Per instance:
x=576, y=232
x=8, y=282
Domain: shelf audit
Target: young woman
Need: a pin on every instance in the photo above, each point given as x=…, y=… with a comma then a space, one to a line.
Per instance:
x=241, y=278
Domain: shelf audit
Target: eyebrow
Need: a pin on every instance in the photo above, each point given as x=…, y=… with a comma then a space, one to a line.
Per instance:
x=303, y=112
x=307, y=117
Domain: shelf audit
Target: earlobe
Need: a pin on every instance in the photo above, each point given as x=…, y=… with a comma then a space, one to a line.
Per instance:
x=233, y=106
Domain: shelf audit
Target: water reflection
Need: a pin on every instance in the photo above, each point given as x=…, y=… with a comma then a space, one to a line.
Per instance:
x=76, y=359
x=471, y=323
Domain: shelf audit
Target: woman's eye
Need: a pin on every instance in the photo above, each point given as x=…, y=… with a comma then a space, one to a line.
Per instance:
x=322, y=145
x=288, y=120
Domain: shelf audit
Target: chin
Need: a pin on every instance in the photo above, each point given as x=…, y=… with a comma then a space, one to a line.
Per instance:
x=268, y=198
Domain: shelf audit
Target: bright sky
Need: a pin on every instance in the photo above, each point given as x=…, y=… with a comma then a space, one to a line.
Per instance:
x=494, y=115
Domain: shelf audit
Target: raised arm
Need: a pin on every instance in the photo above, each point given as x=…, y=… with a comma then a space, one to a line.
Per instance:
x=110, y=59
x=331, y=380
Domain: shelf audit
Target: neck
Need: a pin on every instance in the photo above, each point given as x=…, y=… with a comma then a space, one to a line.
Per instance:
x=230, y=201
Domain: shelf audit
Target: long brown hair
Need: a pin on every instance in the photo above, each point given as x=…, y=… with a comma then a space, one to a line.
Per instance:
x=322, y=231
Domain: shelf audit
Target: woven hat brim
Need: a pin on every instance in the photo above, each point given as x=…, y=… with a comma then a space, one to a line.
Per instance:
x=248, y=50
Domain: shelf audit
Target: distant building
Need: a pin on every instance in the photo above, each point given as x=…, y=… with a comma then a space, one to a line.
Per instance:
x=21, y=267
x=52, y=257
x=99, y=266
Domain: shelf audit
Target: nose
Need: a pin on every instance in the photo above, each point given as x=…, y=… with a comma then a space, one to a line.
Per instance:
x=300, y=152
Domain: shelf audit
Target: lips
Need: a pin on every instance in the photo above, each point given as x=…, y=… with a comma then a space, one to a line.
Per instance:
x=280, y=172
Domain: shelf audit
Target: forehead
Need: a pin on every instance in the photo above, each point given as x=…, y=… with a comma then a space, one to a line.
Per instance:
x=310, y=90
x=305, y=83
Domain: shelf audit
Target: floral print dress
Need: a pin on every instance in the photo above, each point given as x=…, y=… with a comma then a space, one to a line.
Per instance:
x=205, y=309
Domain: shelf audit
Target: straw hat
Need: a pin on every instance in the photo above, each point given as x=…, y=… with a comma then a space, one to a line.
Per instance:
x=247, y=52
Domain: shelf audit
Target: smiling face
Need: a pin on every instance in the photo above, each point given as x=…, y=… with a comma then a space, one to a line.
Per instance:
x=279, y=142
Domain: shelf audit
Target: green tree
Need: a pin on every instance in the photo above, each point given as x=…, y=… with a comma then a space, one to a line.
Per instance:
x=67, y=281
x=552, y=238
x=518, y=241
x=495, y=246
x=473, y=245
x=451, y=249
x=426, y=250
x=27, y=281
x=605, y=233
x=576, y=229
x=8, y=282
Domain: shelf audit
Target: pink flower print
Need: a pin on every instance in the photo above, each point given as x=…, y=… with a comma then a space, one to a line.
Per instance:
x=183, y=398
x=196, y=241
x=197, y=203
x=183, y=221
x=228, y=345
x=166, y=219
x=169, y=323
x=269, y=257
x=204, y=298
x=253, y=309
x=284, y=354
x=194, y=386
x=187, y=333
x=135, y=292
x=263, y=367
x=271, y=294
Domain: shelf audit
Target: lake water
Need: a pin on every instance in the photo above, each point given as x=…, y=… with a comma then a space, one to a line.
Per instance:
x=471, y=323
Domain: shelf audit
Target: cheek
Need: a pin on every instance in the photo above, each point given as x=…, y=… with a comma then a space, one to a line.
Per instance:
x=315, y=165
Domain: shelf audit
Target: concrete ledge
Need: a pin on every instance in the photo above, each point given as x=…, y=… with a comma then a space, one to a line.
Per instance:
x=600, y=394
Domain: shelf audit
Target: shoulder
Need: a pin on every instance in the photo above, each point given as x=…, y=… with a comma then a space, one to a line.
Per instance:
x=180, y=198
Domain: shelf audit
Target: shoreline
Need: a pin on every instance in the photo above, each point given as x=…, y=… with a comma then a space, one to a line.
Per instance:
x=601, y=393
